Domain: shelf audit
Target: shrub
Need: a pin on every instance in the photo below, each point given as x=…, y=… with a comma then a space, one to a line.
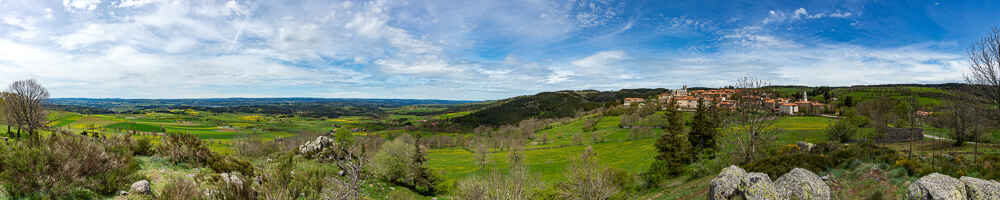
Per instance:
x=179, y=188
x=67, y=167
x=674, y=155
x=183, y=148
x=143, y=147
x=777, y=165
x=842, y=131
x=401, y=162
x=587, y=179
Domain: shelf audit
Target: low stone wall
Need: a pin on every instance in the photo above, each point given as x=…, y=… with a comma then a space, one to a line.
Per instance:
x=893, y=135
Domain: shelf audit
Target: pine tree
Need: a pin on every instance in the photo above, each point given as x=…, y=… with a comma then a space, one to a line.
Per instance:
x=673, y=150
x=703, y=130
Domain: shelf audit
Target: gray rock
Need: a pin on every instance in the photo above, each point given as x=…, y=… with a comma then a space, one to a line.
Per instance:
x=758, y=186
x=981, y=189
x=231, y=178
x=805, y=146
x=315, y=146
x=122, y=193
x=802, y=184
x=937, y=187
x=727, y=184
x=140, y=187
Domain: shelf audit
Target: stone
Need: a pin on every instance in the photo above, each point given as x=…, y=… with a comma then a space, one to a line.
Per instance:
x=981, y=189
x=727, y=184
x=231, y=178
x=140, y=187
x=802, y=184
x=805, y=146
x=122, y=193
x=937, y=187
x=315, y=146
x=758, y=186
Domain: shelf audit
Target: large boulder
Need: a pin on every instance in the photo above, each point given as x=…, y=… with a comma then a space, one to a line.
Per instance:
x=316, y=146
x=981, y=189
x=727, y=184
x=937, y=187
x=758, y=186
x=802, y=184
x=140, y=187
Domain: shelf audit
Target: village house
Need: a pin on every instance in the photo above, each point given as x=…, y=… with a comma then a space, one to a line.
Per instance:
x=634, y=101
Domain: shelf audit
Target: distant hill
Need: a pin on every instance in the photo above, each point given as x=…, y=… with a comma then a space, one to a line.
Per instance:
x=309, y=107
x=547, y=105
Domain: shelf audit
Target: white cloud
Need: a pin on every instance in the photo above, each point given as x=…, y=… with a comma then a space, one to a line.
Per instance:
x=135, y=3
x=81, y=4
x=601, y=59
x=777, y=16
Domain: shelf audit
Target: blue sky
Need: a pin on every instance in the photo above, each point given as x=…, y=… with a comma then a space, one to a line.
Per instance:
x=475, y=49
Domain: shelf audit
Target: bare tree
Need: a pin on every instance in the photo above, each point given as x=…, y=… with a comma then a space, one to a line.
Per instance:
x=984, y=66
x=587, y=180
x=24, y=105
x=753, y=116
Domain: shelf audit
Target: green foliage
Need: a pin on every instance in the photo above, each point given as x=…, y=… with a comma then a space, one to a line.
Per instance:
x=343, y=136
x=401, y=162
x=842, y=131
x=674, y=154
x=67, y=167
x=129, y=126
x=548, y=105
x=143, y=147
x=187, y=148
x=704, y=129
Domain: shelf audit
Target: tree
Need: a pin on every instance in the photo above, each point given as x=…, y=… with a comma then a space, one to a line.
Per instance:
x=590, y=124
x=343, y=135
x=984, y=66
x=587, y=180
x=673, y=150
x=703, y=130
x=24, y=104
x=753, y=117
x=401, y=161
x=841, y=131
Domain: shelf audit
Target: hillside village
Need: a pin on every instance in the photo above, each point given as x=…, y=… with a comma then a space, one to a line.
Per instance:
x=723, y=98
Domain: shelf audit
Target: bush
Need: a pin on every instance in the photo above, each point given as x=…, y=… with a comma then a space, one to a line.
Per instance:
x=775, y=166
x=183, y=148
x=186, y=148
x=842, y=131
x=67, y=167
x=143, y=147
x=179, y=188
x=402, y=163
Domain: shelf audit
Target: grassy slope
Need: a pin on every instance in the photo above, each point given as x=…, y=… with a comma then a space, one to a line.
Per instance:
x=550, y=162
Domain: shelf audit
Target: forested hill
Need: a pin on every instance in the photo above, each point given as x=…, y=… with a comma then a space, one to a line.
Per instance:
x=547, y=105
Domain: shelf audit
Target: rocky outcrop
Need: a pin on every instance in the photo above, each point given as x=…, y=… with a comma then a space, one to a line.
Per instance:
x=758, y=186
x=140, y=187
x=231, y=178
x=802, y=184
x=727, y=184
x=316, y=146
x=981, y=189
x=735, y=183
x=937, y=187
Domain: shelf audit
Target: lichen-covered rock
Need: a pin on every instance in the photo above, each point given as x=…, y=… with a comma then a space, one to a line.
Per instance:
x=727, y=184
x=981, y=189
x=231, y=178
x=315, y=146
x=140, y=187
x=758, y=186
x=802, y=184
x=937, y=187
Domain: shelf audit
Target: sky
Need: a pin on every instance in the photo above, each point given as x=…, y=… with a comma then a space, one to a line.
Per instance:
x=475, y=49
